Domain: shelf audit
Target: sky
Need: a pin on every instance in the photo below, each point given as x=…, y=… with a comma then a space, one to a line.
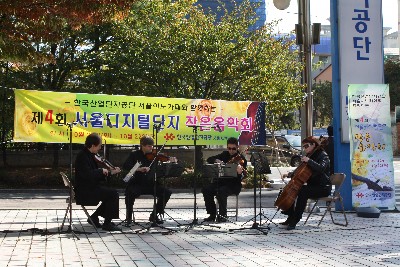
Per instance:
x=320, y=12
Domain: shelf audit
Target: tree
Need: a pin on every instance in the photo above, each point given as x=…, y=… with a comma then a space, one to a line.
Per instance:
x=323, y=107
x=25, y=21
x=392, y=70
x=176, y=50
x=173, y=50
x=40, y=39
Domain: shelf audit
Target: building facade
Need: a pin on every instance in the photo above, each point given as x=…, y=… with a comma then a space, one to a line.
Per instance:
x=215, y=5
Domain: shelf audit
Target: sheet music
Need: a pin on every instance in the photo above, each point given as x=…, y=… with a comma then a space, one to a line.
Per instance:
x=131, y=172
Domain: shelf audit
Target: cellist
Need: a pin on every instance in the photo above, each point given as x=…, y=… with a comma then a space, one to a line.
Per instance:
x=318, y=185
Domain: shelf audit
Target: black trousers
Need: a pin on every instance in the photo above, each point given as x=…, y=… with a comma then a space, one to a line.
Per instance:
x=133, y=191
x=109, y=207
x=295, y=212
x=221, y=192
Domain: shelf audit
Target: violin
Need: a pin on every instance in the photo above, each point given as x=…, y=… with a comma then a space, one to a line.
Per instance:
x=160, y=157
x=103, y=162
x=238, y=160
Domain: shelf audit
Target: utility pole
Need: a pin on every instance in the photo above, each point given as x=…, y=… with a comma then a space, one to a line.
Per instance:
x=305, y=52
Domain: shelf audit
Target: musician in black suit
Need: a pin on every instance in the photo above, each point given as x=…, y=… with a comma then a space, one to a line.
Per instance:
x=88, y=188
x=225, y=186
x=142, y=183
x=318, y=184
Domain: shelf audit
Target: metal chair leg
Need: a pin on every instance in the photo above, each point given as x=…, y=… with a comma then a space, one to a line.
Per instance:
x=237, y=206
x=65, y=216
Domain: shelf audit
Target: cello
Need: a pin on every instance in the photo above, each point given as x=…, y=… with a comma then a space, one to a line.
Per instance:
x=301, y=175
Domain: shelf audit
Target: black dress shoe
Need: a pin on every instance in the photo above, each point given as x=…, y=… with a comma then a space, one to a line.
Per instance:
x=157, y=220
x=285, y=222
x=222, y=218
x=111, y=227
x=286, y=212
x=210, y=218
x=95, y=221
x=291, y=227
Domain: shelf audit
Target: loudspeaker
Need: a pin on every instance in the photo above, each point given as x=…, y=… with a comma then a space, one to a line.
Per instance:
x=299, y=34
x=316, y=31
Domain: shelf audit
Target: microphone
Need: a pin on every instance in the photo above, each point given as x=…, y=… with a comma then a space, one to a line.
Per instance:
x=216, y=126
x=70, y=124
x=108, y=121
x=157, y=126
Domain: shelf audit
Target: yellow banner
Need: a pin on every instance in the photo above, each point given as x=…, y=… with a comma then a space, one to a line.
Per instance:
x=42, y=116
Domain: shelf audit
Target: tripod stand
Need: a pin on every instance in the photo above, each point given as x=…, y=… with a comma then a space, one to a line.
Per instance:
x=261, y=166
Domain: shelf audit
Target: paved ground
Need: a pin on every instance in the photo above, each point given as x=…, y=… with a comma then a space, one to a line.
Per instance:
x=30, y=235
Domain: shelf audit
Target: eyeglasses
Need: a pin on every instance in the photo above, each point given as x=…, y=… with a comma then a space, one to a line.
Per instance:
x=306, y=146
x=232, y=148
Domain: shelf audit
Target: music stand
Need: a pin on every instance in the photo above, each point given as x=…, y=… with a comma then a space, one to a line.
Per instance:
x=261, y=166
x=166, y=170
x=227, y=171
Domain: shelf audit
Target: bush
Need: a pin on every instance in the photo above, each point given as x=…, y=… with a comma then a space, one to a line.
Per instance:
x=248, y=182
x=31, y=177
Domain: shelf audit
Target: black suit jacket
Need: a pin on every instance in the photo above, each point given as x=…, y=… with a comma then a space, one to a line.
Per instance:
x=140, y=178
x=226, y=157
x=87, y=178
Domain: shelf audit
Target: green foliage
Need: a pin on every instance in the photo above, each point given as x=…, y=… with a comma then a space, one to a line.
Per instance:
x=392, y=77
x=24, y=22
x=31, y=178
x=248, y=182
x=171, y=49
x=323, y=107
x=176, y=50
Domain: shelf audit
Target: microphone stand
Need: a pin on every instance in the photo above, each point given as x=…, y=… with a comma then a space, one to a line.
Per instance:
x=154, y=213
x=156, y=130
x=195, y=220
x=71, y=193
x=195, y=176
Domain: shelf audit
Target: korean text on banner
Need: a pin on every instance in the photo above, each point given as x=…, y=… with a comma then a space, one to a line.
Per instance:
x=371, y=146
x=361, y=49
x=42, y=117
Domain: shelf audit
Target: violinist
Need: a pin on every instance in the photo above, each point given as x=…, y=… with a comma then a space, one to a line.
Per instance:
x=88, y=176
x=143, y=181
x=226, y=186
x=318, y=184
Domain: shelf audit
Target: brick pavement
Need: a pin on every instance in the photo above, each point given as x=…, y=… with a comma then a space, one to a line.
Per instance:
x=31, y=237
